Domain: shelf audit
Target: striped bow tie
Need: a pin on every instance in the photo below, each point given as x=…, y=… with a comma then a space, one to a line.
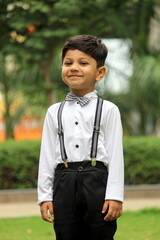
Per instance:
x=81, y=100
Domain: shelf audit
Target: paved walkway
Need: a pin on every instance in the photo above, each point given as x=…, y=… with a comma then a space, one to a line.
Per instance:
x=11, y=210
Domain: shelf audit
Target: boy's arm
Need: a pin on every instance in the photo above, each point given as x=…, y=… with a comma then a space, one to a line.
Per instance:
x=114, y=146
x=47, y=160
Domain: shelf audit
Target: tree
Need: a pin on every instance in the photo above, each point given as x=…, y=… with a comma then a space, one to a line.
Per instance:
x=140, y=105
x=33, y=31
x=7, y=85
x=36, y=29
x=144, y=83
x=144, y=93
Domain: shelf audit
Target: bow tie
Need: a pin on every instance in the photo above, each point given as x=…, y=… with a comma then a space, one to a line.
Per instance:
x=81, y=100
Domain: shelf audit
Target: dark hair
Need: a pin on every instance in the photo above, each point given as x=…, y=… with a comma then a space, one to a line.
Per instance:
x=89, y=44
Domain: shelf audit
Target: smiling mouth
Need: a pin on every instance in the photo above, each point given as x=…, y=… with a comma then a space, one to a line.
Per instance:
x=72, y=76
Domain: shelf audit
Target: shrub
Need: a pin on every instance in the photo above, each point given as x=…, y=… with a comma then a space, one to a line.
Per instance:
x=142, y=160
x=19, y=162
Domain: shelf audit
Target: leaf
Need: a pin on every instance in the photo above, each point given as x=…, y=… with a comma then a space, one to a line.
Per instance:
x=35, y=43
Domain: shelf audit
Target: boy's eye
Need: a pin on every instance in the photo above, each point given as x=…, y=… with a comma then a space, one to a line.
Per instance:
x=84, y=63
x=67, y=63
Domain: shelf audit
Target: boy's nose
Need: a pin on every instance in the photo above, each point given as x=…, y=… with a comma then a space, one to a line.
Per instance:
x=74, y=67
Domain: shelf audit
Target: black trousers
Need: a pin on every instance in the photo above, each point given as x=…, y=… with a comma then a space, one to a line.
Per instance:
x=79, y=192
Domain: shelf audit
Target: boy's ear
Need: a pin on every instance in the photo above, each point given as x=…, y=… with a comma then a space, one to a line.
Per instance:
x=101, y=71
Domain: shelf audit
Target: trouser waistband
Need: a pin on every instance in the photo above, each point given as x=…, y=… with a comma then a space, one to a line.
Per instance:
x=82, y=165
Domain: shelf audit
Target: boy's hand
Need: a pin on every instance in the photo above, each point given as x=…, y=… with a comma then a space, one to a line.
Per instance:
x=46, y=209
x=113, y=209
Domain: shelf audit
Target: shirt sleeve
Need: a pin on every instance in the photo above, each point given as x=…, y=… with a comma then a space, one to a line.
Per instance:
x=114, y=147
x=47, y=160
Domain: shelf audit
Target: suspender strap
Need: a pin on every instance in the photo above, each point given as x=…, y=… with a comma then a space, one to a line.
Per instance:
x=61, y=133
x=95, y=135
x=96, y=129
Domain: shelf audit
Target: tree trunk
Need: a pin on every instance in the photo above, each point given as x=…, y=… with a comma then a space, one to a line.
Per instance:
x=142, y=121
x=49, y=87
x=9, y=128
x=50, y=93
x=145, y=10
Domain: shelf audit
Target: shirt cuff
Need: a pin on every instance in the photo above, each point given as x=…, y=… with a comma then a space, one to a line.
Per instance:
x=115, y=194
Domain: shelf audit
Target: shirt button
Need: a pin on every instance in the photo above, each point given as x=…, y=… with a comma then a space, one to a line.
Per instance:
x=76, y=123
x=77, y=146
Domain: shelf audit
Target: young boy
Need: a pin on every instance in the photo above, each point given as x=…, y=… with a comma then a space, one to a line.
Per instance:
x=81, y=170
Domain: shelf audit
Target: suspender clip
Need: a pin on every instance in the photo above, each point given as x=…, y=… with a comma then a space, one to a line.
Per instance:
x=96, y=129
x=60, y=132
x=65, y=164
x=93, y=162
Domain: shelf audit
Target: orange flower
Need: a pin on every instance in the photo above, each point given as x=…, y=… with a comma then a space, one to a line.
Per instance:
x=31, y=28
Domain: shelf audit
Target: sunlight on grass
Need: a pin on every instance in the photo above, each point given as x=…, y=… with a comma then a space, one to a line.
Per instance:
x=134, y=225
x=139, y=225
x=29, y=228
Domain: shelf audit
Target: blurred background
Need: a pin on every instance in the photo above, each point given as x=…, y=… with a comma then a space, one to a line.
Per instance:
x=32, y=34
x=31, y=37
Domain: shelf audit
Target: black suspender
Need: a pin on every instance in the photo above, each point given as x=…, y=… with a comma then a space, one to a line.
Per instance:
x=95, y=134
x=96, y=131
x=61, y=133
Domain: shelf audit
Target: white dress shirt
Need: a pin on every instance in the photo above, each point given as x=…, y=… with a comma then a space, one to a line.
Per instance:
x=78, y=123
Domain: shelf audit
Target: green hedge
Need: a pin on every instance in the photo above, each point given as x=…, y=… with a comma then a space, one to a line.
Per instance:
x=142, y=160
x=19, y=162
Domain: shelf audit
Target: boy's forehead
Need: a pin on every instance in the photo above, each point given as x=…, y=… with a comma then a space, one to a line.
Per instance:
x=76, y=53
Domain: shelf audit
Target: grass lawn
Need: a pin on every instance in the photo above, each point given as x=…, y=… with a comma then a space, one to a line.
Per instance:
x=136, y=225
x=139, y=225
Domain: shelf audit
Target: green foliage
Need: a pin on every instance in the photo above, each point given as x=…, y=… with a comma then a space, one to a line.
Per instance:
x=142, y=165
x=19, y=162
x=32, y=31
x=140, y=105
x=144, y=92
x=10, y=93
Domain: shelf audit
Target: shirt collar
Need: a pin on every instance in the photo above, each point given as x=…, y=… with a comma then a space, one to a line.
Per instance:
x=91, y=94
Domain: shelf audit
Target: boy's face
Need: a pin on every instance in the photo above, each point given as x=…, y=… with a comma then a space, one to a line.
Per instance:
x=79, y=72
